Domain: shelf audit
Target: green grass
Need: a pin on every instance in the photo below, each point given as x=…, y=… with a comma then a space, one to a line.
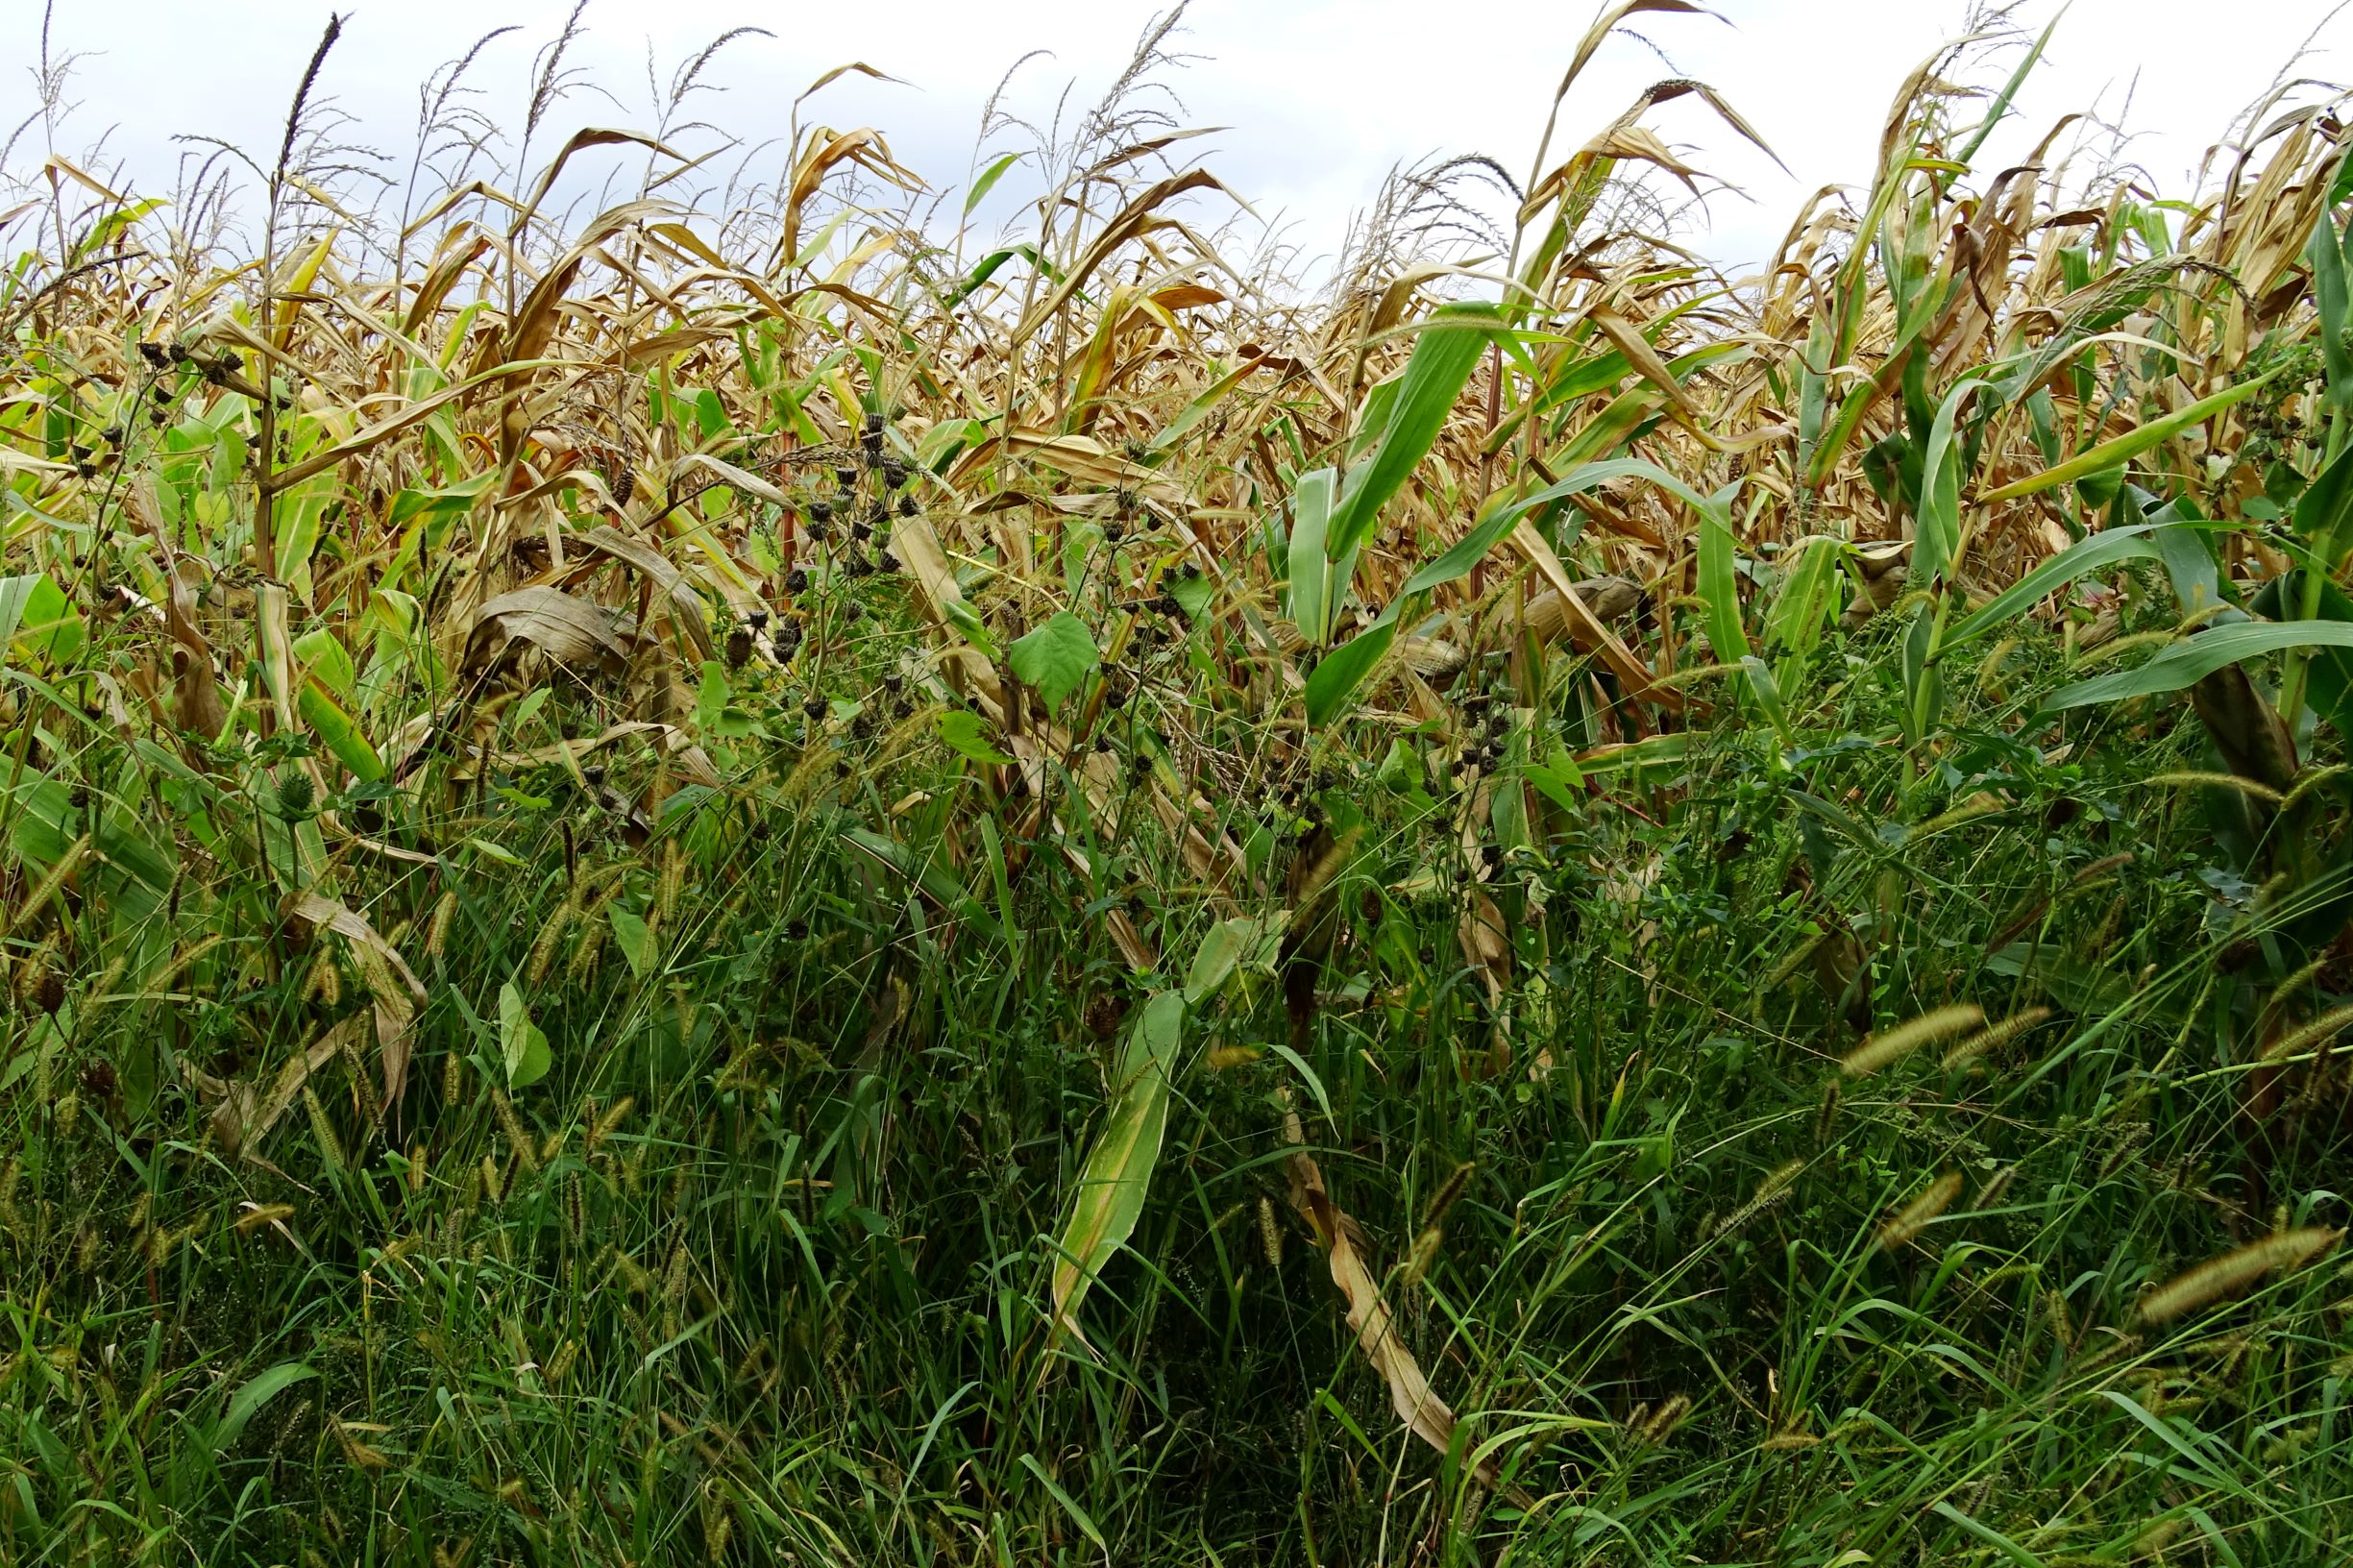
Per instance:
x=744, y=882
x=756, y=1272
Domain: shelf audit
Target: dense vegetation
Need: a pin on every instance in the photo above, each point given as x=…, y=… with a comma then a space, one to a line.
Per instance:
x=745, y=879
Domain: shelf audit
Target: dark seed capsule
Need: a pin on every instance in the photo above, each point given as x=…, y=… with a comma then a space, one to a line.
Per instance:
x=624, y=487
x=739, y=647
x=821, y=511
x=50, y=994
x=757, y=619
x=893, y=681
x=784, y=648
x=815, y=709
x=894, y=473
x=853, y=612
x=907, y=506
x=874, y=423
x=845, y=477
x=901, y=708
x=797, y=930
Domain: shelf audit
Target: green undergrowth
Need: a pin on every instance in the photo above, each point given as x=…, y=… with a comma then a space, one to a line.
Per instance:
x=715, y=1214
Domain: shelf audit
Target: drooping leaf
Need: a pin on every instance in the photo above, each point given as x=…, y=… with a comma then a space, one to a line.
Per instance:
x=1119, y=1171
x=1339, y=673
x=521, y=1045
x=2080, y=559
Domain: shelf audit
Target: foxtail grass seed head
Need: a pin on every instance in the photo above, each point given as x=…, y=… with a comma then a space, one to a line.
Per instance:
x=1425, y=1254
x=2310, y=1035
x=1826, y=1120
x=437, y=929
x=2234, y=1271
x=1993, y=1037
x=1270, y=1234
x=1891, y=1045
x=673, y=879
x=1658, y=1425
x=323, y=1130
x=1457, y=1182
x=518, y=1136
x=1769, y=1191
x=543, y=946
x=1915, y=1217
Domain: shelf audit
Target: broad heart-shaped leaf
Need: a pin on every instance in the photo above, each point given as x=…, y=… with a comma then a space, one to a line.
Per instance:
x=2195, y=657
x=1444, y=355
x=1118, y=1168
x=1055, y=657
x=967, y=733
x=524, y=1048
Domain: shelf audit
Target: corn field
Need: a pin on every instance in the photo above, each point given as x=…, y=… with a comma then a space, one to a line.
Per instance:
x=706, y=873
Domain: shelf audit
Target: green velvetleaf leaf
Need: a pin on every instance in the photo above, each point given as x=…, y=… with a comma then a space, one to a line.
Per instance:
x=1056, y=657
x=968, y=734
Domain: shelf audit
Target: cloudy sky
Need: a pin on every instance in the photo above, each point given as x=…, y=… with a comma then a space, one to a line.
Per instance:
x=1318, y=97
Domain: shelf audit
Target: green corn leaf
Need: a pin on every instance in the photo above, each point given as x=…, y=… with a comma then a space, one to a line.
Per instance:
x=1448, y=350
x=2131, y=444
x=2091, y=554
x=1343, y=669
x=1310, y=518
x=1802, y=604
x=1472, y=547
x=336, y=731
x=1721, y=588
x=2195, y=657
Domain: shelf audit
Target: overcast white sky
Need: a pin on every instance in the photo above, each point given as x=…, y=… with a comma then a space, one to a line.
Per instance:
x=1320, y=96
